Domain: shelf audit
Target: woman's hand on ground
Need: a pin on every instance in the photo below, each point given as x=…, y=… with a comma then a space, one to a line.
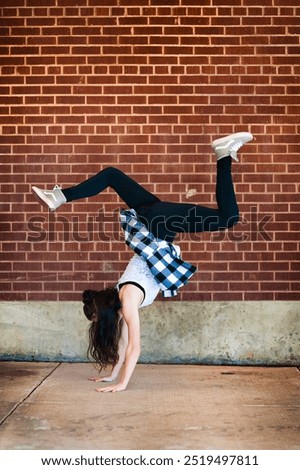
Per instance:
x=109, y=378
x=119, y=387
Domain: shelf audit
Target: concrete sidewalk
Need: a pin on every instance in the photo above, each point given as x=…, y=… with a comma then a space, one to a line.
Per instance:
x=54, y=406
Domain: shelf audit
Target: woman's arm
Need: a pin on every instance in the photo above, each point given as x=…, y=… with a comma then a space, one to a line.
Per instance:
x=130, y=299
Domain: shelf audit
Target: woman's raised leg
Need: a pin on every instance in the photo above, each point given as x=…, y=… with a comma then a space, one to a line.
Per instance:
x=132, y=193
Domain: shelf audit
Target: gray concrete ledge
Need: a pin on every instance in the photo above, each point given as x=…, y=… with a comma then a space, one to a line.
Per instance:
x=240, y=333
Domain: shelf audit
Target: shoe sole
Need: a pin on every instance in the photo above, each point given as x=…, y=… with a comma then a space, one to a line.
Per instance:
x=39, y=197
x=238, y=135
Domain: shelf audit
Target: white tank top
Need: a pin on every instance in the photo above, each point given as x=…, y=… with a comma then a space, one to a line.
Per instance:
x=138, y=271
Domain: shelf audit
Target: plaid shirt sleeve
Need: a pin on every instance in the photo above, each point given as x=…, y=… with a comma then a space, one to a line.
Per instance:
x=163, y=258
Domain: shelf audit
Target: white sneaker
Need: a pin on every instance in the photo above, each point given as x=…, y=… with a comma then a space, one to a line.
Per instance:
x=50, y=198
x=229, y=145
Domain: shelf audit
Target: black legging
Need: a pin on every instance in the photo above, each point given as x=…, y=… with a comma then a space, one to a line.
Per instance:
x=166, y=219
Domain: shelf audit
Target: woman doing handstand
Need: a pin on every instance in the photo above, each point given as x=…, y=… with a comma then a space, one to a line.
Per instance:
x=114, y=312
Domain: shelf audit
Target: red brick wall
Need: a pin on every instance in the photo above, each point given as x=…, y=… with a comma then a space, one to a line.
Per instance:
x=145, y=85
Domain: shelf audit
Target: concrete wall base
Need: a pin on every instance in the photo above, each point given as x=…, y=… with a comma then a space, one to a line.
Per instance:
x=243, y=333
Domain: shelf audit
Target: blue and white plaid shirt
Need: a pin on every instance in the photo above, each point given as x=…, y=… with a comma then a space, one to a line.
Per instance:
x=163, y=258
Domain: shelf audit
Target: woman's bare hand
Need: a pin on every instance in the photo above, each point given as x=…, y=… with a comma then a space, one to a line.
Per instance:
x=119, y=387
x=108, y=378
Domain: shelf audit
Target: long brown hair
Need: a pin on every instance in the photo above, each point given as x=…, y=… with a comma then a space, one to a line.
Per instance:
x=102, y=307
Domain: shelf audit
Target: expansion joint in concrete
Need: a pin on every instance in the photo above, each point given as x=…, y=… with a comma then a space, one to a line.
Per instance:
x=16, y=406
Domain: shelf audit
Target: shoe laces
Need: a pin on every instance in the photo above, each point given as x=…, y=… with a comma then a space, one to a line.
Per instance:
x=234, y=148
